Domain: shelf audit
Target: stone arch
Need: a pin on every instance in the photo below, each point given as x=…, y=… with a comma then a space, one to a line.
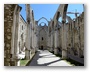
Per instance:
x=44, y=19
x=68, y=18
x=62, y=11
x=65, y=10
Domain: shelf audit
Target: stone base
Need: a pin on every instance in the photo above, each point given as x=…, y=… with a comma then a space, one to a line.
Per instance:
x=6, y=62
x=27, y=54
x=64, y=54
x=80, y=53
x=11, y=62
x=56, y=51
x=50, y=49
x=15, y=62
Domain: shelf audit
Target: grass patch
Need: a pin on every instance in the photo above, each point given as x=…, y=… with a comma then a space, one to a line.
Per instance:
x=23, y=62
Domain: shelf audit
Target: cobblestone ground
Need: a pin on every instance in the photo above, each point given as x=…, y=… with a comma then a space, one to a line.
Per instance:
x=45, y=58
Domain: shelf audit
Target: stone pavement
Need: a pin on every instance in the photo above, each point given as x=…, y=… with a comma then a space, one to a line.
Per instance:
x=45, y=58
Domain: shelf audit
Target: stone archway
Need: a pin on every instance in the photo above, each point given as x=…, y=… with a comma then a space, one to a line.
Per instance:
x=42, y=18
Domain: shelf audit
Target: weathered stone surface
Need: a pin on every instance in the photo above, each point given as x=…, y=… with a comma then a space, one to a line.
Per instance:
x=61, y=38
x=71, y=34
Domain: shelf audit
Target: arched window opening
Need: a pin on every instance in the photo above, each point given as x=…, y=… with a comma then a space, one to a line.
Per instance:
x=22, y=27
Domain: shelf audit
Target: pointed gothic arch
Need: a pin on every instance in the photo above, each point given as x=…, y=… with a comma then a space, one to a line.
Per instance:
x=42, y=18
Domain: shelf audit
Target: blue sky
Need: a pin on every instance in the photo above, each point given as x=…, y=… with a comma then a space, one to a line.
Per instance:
x=48, y=10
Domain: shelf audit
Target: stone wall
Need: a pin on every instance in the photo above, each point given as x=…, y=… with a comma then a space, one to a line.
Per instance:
x=76, y=38
x=8, y=23
x=22, y=34
x=74, y=34
x=43, y=37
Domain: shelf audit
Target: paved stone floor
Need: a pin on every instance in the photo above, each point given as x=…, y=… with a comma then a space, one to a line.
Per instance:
x=45, y=58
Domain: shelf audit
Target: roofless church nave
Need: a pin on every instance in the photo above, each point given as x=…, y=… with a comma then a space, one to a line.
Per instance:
x=43, y=45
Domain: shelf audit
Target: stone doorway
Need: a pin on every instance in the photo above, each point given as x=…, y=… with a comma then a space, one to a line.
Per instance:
x=41, y=47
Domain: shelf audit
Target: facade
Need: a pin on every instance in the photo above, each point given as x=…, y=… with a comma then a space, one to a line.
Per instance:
x=42, y=37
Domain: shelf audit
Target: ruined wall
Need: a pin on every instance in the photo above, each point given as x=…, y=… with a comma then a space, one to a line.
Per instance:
x=75, y=38
x=74, y=34
x=82, y=33
x=43, y=40
x=11, y=27
x=8, y=23
x=22, y=34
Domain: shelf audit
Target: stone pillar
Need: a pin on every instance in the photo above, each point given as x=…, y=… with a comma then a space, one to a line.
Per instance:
x=64, y=48
x=27, y=51
x=79, y=42
x=34, y=43
x=51, y=42
x=16, y=48
x=58, y=40
x=35, y=40
x=56, y=44
x=8, y=23
x=12, y=20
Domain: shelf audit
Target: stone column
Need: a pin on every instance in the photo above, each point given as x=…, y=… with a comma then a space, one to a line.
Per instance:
x=33, y=46
x=8, y=24
x=35, y=40
x=16, y=49
x=58, y=40
x=64, y=48
x=51, y=42
x=79, y=42
x=34, y=43
x=27, y=51
x=56, y=44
